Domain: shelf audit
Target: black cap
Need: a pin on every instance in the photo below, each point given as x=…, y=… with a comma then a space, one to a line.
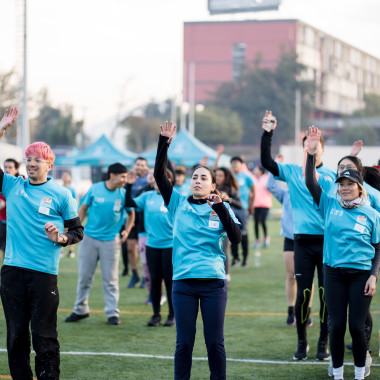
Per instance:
x=351, y=174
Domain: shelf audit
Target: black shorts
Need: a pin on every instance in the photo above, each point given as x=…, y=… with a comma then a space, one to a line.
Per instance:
x=288, y=245
x=3, y=235
x=133, y=234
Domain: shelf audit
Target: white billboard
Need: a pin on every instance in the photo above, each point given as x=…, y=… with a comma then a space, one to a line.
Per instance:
x=235, y=6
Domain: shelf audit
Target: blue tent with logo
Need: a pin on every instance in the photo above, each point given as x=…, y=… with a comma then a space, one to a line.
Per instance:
x=101, y=153
x=187, y=150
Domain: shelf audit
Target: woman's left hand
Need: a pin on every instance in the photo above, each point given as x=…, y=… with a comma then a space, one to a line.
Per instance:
x=370, y=286
x=52, y=232
x=213, y=198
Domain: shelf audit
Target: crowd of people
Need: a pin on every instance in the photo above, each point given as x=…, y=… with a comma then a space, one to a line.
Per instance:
x=186, y=233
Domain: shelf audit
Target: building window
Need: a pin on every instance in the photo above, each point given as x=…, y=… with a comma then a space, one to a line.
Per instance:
x=238, y=60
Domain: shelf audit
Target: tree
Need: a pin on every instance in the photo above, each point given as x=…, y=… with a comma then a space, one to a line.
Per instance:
x=215, y=125
x=261, y=89
x=55, y=126
x=349, y=134
x=371, y=108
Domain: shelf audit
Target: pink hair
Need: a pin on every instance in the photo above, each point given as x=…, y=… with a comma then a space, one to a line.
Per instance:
x=40, y=150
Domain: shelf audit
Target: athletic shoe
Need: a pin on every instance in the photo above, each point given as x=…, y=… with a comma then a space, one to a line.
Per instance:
x=234, y=261
x=73, y=317
x=257, y=244
x=114, y=321
x=142, y=285
x=322, y=351
x=71, y=254
x=302, y=350
x=170, y=321
x=309, y=321
x=368, y=362
x=163, y=299
x=244, y=263
x=134, y=280
x=148, y=301
x=291, y=320
x=266, y=242
x=154, y=321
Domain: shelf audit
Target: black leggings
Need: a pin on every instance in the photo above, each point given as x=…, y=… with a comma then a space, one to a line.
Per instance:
x=160, y=268
x=345, y=289
x=260, y=217
x=308, y=253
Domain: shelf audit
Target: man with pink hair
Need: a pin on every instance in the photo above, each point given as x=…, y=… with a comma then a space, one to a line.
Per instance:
x=38, y=210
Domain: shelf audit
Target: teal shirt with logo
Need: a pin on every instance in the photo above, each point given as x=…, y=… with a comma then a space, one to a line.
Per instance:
x=245, y=182
x=349, y=234
x=157, y=220
x=29, y=208
x=105, y=211
x=306, y=219
x=197, y=239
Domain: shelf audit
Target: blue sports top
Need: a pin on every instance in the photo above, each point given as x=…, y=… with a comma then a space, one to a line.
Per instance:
x=245, y=182
x=157, y=221
x=349, y=234
x=306, y=219
x=105, y=211
x=197, y=243
x=29, y=208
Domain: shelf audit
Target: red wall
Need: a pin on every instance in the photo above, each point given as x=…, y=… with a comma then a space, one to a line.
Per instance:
x=210, y=46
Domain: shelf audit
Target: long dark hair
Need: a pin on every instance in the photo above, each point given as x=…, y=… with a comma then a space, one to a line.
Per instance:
x=229, y=179
x=372, y=176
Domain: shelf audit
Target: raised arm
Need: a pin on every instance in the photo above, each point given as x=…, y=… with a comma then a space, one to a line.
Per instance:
x=356, y=148
x=163, y=183
x=269, y=125
x=313, y=138
x=220, y=150
x=131, y=179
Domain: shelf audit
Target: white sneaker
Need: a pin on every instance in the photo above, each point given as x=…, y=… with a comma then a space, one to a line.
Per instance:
x=163, y=299
x=330, y=370
x=368, y=362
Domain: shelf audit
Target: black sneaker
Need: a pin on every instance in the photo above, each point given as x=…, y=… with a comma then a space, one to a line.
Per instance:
x=73, y=317
x=114, y=321
x=322, y=351
x=154, y=321
x=170, y=321
x=235, y=260
x=302, y=350
x=291, y=320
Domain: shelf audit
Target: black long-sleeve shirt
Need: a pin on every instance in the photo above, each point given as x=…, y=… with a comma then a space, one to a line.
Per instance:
x=266, y=158
x=166, y=189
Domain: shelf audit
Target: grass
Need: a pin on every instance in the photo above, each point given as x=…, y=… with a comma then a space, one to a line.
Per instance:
x=254, y=329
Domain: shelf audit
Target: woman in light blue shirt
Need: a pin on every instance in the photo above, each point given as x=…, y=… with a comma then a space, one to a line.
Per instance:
x=200, y=223
x=351, y=256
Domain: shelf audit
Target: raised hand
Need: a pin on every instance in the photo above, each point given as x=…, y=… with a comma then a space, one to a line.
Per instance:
x=313, y=138
x=131, y=177
x=220, y=149
x=269, y=121
x=356, y=148
x=168, y=131
x=279, y=158
x=213, y=198
x=8, y=120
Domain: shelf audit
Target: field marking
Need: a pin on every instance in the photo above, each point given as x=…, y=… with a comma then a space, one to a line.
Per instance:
x=148, y=356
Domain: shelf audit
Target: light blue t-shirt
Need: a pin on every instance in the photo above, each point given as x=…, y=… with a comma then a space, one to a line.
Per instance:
x=332, y=187
x=287, y=213
x=184, y=189
x=72, y=191
x=349, y=234
x=306, y=219
x=245, y=182
x=198, y=234
x=105, y=211
x=29, y=208
x=157, y=221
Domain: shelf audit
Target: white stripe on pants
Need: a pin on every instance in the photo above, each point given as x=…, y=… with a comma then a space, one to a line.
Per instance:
x=90, y=252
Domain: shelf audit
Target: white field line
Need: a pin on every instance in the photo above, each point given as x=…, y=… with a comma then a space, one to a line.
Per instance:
x=255, y=361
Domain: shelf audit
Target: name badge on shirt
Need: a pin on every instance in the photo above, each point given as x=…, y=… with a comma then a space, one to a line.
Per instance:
x=214, y=220
x=359, y=227
x=45, y=206
x=117, y=205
